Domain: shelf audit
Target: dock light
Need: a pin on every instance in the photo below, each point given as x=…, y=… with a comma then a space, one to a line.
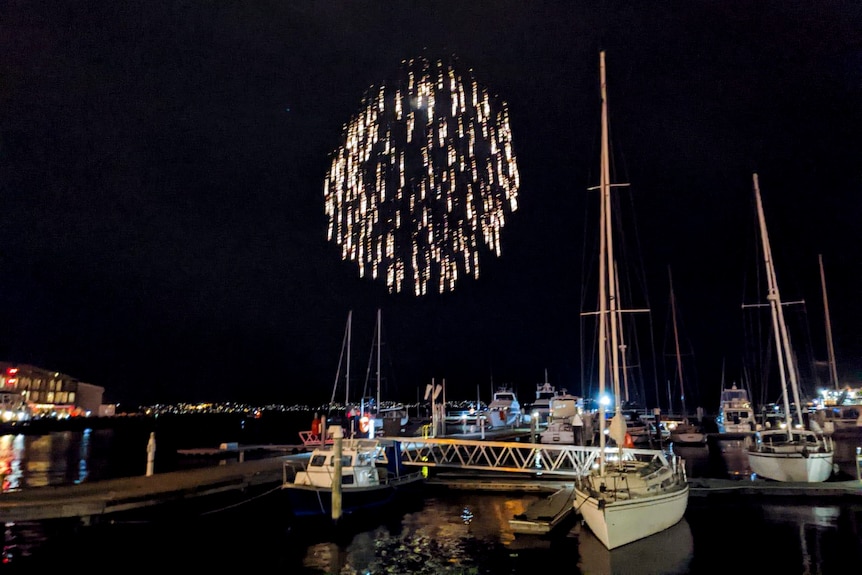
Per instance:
x=605, y=400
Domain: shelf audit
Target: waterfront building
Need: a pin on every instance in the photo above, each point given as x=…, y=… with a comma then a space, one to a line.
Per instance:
x=47, y=393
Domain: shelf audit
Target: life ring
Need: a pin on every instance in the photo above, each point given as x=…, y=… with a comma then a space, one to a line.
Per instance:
x=364, y=423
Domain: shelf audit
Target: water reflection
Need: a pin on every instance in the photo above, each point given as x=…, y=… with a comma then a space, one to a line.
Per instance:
x=58, y=458
x=434, y=539
x=817, y=529
x=11, y=455
x=668, y=552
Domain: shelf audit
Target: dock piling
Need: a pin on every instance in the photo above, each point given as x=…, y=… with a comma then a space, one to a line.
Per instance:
x=151, y=453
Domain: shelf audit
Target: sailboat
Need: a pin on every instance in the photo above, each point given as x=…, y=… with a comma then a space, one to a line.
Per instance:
x=790, y=452
x=681, y=431
x=840, y=410
x=632, y=493
x=385, y=417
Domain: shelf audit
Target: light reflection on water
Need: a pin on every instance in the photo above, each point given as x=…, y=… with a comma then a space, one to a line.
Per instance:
x=450, y=534
x=438, y=540
x=59, y=458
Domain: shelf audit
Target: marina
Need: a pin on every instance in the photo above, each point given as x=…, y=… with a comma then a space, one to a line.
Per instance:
x=464, y=464
x=198, y=194
x=523, y=510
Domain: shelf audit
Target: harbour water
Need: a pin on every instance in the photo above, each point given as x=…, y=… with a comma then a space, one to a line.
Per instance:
x=443, y=531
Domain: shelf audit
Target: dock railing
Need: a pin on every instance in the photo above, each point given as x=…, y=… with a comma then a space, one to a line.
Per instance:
x=512, y=457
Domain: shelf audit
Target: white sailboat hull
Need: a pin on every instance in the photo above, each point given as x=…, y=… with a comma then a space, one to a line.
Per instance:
x=618, y=522
x=791, y=466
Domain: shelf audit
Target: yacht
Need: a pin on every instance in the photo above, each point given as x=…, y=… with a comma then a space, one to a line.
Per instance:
x=735, y=412
x=504, y=410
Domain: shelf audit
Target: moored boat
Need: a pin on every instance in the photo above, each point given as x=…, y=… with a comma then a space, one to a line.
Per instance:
x=371, y=473
x=792, y=452
x=631, y=494
x=504, y=410
x=735, y=412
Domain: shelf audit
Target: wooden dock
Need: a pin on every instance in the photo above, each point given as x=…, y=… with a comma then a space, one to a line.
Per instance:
x=708, y=487
x=195, y=487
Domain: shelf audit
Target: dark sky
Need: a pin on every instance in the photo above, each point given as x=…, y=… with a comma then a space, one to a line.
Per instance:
x=162, y=231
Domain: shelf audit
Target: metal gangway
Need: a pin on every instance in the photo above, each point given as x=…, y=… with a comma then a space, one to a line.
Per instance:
x=504, y=456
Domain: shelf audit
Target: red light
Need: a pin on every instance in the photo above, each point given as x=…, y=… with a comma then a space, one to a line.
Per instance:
x=11, y=370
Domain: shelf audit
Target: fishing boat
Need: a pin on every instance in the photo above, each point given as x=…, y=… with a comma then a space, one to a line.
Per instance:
x=368, y=473
x=791, y=452
x=632, y=493
x=504, y=409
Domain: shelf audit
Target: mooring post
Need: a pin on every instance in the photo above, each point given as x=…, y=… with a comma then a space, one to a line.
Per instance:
x=337, y=436
x=151, y=453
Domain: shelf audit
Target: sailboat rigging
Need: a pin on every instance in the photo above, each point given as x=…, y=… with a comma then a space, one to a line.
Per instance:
x=387, y=417
x=344, y=358
x=634, y=493
x=833, y=371
x=683, y=431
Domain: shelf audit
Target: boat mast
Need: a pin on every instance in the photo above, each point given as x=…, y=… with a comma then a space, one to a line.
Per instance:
x=347, y=372
x=604, y=189
x=610, y=264
x=676, y=344
x=345, y=351
x=833, y=372
x=782, y=340
x=621, y=345
x=379, y=329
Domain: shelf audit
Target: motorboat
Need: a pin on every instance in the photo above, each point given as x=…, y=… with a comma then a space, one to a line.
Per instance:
x=565, y=422
x=539, y=411
x=504, y=409
x=735, y=411
x=368, y=473
x=685, y=432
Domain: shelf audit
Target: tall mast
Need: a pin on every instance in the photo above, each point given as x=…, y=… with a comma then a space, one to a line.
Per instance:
x=604, y=189
x=676, y=344
x=379, y=329
x=345, y=351
x=782, y=341
x=833, y=371
x=347, y=372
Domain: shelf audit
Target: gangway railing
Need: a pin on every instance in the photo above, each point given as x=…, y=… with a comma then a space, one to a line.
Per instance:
x=480, y=455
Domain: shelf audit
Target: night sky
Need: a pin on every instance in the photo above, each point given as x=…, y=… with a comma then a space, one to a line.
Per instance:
x=162, y=168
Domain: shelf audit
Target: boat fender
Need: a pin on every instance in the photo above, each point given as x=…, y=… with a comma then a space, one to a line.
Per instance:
x=628, y=442
x=363, y=423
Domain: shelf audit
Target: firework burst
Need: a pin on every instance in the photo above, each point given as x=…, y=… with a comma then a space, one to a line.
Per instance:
x=423, y=180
